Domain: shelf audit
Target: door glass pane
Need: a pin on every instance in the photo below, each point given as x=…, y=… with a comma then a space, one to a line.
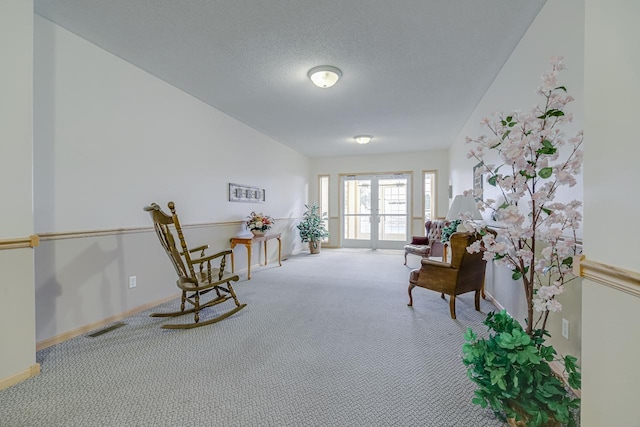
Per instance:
x=357, y=209
x=392, y=208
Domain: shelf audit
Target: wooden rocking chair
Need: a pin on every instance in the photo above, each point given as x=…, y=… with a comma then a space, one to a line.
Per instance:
x=194, y=284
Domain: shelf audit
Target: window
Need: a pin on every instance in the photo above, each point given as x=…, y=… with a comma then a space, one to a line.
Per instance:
x=429, y=201
x=323, y=199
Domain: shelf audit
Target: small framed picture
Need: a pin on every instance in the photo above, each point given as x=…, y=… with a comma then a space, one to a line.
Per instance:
x=244, y=193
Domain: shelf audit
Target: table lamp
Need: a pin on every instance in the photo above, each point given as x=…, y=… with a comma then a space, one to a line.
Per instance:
x=463, y=204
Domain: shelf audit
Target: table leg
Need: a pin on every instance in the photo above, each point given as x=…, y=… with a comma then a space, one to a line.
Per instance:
x=248, y=245
x=279, y=251
x=265, y=253
x=233, y=264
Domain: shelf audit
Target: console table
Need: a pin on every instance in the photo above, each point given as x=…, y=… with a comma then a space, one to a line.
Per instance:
x=248, y=242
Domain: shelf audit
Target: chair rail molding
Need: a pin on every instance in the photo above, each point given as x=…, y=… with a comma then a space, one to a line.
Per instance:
x=614, y=277
x=24, y=242
x=131, y=230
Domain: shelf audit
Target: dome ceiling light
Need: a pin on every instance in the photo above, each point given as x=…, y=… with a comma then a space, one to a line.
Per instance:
x=363, y=139
x=324, y=76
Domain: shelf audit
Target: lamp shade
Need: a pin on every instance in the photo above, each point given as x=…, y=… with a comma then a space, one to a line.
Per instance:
x=463, y=205
x=324, y=76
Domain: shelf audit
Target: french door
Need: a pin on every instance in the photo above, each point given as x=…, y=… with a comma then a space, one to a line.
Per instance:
x=375, y=211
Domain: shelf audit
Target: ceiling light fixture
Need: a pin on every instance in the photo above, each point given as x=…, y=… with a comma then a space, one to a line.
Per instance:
x=363, y=139
x=324, y=76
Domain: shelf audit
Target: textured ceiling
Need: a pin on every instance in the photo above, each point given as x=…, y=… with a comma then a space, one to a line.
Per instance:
x=413, y=70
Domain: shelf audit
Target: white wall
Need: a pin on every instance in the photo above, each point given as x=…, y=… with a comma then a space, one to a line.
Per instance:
x=16, y=118
x=415, y=163
x=17, y=309
x=611, y=336
x=557, y=30
x=109, y=139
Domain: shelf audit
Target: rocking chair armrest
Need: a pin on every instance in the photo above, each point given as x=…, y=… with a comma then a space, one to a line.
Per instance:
x=187, y=283
x=210, y=257
x=198, y=249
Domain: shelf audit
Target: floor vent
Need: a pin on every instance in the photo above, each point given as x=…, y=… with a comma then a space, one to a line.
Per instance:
x=105, y=330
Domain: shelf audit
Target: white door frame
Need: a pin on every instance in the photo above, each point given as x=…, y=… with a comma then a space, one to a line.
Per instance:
x=374, y=216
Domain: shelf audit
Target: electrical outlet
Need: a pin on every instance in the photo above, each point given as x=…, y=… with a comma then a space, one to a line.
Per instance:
x=132, y=282
x=565, y=328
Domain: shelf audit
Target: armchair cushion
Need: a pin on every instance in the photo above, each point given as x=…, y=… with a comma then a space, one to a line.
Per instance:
x=419, y=240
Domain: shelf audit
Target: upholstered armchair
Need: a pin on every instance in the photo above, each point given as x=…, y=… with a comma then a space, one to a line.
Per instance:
x=429, y=244
x=465, y=272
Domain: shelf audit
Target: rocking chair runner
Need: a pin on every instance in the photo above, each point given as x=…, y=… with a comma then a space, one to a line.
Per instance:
x=194, y=284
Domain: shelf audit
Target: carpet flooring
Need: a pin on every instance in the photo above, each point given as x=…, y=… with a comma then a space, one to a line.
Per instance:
x=325, y=340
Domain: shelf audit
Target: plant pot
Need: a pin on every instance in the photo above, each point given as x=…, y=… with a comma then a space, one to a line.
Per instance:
x=524, y=422
x=314, y=247
x=513, y=423
x=257, y=233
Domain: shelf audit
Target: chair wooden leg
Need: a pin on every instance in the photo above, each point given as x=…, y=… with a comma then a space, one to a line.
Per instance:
x=478, y=300
x=411, y=286
x=452, y=306
x=233, y=294
x=183, y=300
x=405, y=257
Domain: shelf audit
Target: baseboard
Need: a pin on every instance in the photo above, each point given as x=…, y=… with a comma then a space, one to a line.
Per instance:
x=30, y=372
x=100, y=324
x=493, y=301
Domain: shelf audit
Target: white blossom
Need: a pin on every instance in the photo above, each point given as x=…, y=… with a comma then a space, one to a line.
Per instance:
x=536, y=158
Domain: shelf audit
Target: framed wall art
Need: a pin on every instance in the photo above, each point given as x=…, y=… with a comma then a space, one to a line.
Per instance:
x=244, y=193
x=478, y=180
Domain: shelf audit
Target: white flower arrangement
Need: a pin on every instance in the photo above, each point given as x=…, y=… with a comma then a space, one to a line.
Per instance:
x=259, y=222
x=530, y=172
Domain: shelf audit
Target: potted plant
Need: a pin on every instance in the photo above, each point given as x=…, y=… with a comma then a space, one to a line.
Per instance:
x=312, y=228
x=514, y=378
x=536, y=240
x=259, y=223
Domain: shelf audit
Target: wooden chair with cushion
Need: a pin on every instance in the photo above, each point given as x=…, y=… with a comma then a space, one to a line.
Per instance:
x=465, y=272
x=196, y=276
x=430, y=244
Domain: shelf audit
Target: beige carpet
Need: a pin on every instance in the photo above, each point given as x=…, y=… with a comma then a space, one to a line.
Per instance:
x=325, y=340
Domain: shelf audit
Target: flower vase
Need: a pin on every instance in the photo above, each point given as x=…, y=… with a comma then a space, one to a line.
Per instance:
x=258, y=233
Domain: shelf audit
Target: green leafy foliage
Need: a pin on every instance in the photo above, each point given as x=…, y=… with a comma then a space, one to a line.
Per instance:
x=551, y=113
x=448, y=230
x=547, y=148
x=545, y=173
x=514, y=378
x=312, y=228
